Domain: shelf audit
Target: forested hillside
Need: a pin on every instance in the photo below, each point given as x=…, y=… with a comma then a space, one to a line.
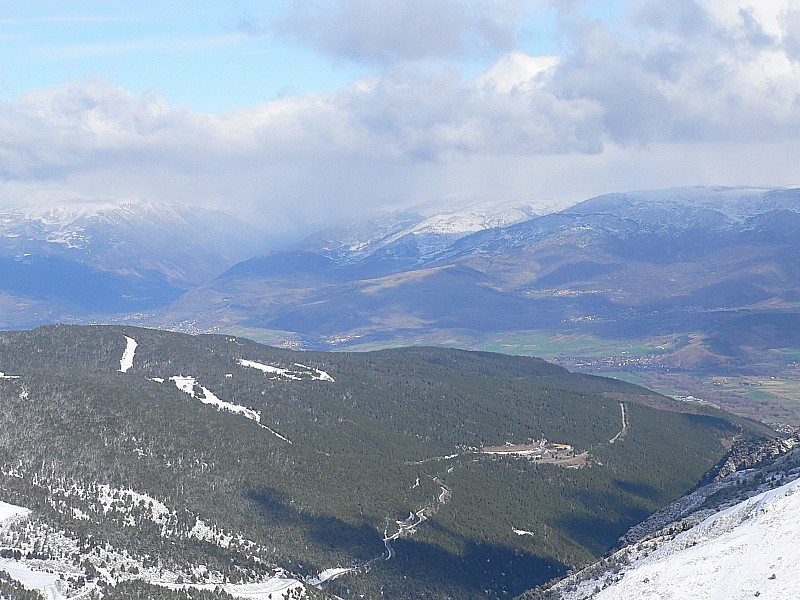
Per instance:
x=155, y=458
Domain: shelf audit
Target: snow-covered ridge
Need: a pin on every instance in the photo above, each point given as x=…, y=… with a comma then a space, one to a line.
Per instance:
x=62, y=215
x=744, y=551
x=432, y=226
x=475, y=218
x=735, y=204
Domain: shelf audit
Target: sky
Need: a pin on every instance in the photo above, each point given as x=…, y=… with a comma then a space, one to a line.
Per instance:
x=296, y=112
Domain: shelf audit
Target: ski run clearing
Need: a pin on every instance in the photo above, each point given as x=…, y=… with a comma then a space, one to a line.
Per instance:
x=304, y=373
x=189, y=384
x=126, y=362
x=624, y=425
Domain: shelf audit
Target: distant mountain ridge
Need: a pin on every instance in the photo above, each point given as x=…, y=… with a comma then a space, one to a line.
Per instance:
x=427, y=228
x=618, y=256
x=654, y=282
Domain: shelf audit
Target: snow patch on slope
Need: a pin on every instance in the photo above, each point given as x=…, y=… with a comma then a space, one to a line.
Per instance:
x=7, y=511
x=188, y=384
x=26, y=574
x=328, y=575
x=57, y=576
x=274, y=588
x=126, y=362
x=305, y=372
x=33, y=579
x=113, y=499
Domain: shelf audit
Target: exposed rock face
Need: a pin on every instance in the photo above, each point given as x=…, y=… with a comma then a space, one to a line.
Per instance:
x=748, y=453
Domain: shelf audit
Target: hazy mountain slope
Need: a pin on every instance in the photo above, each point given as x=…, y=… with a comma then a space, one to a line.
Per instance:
x=265, y=459
x=106, y=259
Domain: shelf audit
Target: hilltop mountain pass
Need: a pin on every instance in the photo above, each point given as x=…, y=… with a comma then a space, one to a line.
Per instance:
x=195, y=462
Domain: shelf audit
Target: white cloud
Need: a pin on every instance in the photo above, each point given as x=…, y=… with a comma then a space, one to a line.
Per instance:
x=516, y=70
x=688, y=71
x=688, y=93
x=365, y=30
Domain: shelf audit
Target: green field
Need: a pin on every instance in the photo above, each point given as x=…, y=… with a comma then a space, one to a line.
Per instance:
x=551, y=346
x=772, y=398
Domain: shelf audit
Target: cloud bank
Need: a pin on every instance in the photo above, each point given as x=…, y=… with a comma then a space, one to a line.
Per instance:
x=405, y=30
x=680, y=92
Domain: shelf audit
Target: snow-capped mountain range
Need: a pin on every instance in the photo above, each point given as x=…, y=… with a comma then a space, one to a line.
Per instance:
x=427, y=228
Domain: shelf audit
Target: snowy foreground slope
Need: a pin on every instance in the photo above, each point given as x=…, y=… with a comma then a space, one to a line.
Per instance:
x=745, y=551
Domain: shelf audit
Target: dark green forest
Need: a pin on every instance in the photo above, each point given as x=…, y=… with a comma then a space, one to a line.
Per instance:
x=334, y=464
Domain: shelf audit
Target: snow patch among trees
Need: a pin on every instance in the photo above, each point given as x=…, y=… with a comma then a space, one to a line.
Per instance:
x=305, y=372
x=126, y=362
x=189, y=384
